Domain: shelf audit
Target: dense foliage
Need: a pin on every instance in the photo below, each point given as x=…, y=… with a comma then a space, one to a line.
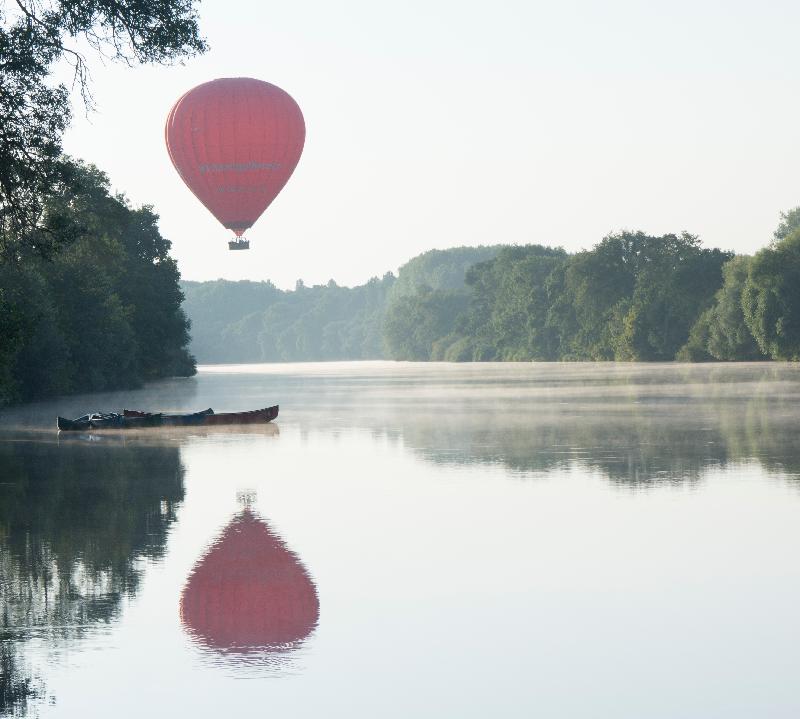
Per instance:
x=34, y=112
x=756, y=313
x=440, y=269
x=721, y=332
x=771, y=298
x=632, y=297
x=257, y=322
x=104, y=312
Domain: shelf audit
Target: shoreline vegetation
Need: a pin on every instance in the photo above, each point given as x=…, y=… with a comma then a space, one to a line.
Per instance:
x=89, y=296
x=106, y=308
x=103, y=311
x=632, y=297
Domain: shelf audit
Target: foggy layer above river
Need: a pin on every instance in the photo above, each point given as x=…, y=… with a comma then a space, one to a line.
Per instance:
x=631, y=423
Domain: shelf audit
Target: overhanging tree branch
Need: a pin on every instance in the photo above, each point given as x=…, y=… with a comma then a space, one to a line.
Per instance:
x=34, y=114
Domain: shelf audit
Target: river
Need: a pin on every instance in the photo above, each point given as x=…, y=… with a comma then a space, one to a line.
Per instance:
x=410, y=540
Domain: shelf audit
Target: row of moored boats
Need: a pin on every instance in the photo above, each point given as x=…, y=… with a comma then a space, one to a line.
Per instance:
x=134, y=419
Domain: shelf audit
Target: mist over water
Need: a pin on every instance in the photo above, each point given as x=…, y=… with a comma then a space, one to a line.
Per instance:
x=563, y=540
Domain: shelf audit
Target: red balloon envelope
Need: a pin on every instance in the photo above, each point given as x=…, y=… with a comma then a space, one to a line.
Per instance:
x=235, y=142
x=249, y=591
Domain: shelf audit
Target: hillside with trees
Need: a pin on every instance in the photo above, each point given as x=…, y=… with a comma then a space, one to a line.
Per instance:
x=256, y=322
x=631, y=297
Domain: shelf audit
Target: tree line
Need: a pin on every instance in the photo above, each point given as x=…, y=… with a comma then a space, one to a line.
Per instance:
x=257, y=322
x=631, y=297
x=104, y=312
x=89, y=296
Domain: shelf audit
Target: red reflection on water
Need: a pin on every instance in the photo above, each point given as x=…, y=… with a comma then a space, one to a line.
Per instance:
x=250, y=591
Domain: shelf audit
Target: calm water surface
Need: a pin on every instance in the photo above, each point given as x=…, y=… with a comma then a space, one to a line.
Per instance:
x=516, y=540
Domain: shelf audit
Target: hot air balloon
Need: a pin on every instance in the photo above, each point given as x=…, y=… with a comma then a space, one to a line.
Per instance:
x=235, y=142
x=249, y=592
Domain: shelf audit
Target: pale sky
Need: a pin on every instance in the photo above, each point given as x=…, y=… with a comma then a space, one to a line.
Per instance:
x=438, y=123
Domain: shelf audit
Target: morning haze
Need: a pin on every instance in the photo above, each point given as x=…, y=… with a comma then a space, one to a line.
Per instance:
x=495, y=416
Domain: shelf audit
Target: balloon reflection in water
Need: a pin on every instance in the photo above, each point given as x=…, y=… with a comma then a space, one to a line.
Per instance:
x=249, y=594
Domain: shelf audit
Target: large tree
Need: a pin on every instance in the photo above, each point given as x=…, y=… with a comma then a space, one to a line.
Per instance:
x=34, y=112
x=771, y=298
x=790, y=221
x=510, y=304
x=635, y=297
x=721, y=331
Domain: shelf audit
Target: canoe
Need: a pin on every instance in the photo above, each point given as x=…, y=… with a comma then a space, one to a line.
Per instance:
x=173, y=420
x=266, y=414
x=209, y=417
x=107, y=420
x=133, y=419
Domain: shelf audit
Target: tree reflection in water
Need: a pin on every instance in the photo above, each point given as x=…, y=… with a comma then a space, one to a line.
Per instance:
x=74, y=521
x=250, y=597
x=635, y=425
x=632, y=445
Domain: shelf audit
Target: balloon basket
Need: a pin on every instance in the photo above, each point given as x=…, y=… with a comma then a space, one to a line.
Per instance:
x=239, y=245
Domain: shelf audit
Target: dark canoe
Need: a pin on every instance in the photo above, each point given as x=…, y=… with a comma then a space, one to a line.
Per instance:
x=173, y=420
x=132, y=419
x=209, y=417
x=111, y=420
